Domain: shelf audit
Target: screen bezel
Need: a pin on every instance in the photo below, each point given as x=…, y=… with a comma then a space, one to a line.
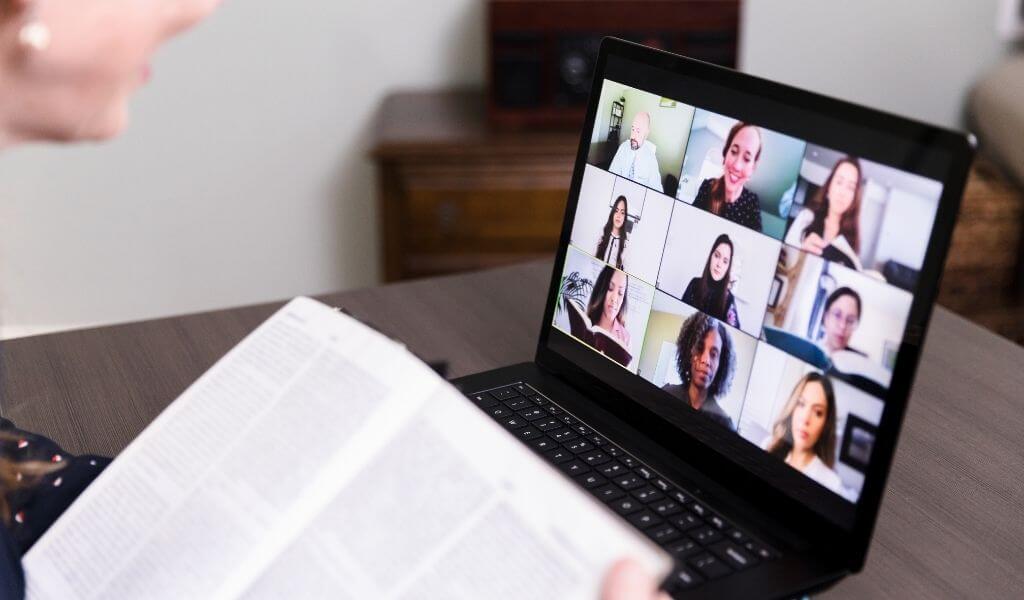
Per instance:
x=932, y=149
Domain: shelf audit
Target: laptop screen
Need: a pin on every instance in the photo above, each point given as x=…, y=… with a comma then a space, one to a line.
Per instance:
x=755, y=263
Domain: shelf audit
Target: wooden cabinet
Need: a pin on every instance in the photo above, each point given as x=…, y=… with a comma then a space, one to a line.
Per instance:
x=455, y=195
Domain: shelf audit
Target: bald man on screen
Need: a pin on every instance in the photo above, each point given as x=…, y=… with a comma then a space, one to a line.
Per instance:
x=635, y=159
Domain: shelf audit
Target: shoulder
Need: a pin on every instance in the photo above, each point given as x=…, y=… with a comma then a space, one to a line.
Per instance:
x=675, y=389
x=823, y=474
x=714, y=410
x=705, y=186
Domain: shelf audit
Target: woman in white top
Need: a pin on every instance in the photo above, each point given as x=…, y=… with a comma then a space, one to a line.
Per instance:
x=805, y=434
x=611, y=247
x=829, y=224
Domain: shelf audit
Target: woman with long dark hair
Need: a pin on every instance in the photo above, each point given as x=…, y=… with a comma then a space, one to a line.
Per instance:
x=829, y=225
x=710, y=293
x=611, y=248
x=727, y=195
x=804, y=436
x=609, y=302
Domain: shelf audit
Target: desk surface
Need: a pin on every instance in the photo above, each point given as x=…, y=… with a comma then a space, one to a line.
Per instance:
x=951, y=524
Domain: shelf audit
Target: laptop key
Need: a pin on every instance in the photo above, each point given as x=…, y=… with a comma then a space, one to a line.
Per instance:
x=683, y=579
x=662, y=485
x=539, y=400
x=629, y=461
x=736, y=535
x=518, y=403
x=579, y=446
x=680, y=497
x=644, y=472
x=644, y=519
x=595, y=458
x=544, y=444
x=499, y=412
x=609, y=493
x=582, y=429
x=683, y=547
x=547, y=424
x=529, y=433
x=562, y=435
x=736, y=557
x=555, y=410
x=569, y=419
x=515, y=422
x=699, y=509
x=504, y=393
x=574, y=467
x=598, y=440
x=717, y=522
x=559, y=456
x=532, y=414
x=664, y=534
x=484, y=400
x=648, y=494
x=705, y=536
x=666, y=507
x=686, y=521
x=613, y=469
x=626, y=506
x=709, y=566
x=591, y=480
x=629, y=482
x=758, y=550
x=523, y=389
x=613, y=450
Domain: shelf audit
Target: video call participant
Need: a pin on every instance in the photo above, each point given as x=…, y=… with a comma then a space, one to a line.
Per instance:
x=829, y=225
x=705, y=359
x=839, y=320
x=805, y=434
x=635, y=159
x=611, y=248
x=710, y=293
x=608, y=303
x=726, y=196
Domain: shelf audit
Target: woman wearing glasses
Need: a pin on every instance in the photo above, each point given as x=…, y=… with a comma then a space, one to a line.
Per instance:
x=840, y=321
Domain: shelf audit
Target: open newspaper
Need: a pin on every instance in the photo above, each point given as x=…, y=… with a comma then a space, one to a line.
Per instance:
x=319, y=459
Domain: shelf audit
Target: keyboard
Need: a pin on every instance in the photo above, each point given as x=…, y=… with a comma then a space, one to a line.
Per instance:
x=705, y=545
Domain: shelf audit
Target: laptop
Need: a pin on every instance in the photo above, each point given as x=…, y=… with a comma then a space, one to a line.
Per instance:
x=739, y=299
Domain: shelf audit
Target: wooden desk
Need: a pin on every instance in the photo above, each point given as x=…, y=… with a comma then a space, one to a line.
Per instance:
x=951, y=524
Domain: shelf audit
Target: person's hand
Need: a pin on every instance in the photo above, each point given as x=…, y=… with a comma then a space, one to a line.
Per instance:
x=813, y=243
x=627, y=580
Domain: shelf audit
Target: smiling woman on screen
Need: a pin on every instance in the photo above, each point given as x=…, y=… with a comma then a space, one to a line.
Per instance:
x=728, y=196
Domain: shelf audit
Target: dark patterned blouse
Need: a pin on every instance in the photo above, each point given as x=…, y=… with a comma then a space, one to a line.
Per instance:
x=34, y=509
x=745, y=211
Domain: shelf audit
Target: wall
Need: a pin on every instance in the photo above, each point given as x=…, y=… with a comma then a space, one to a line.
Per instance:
x=914, y=57
x=244, y=177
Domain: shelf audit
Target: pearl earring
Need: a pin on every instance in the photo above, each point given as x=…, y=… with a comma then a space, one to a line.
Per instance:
x=34, y=35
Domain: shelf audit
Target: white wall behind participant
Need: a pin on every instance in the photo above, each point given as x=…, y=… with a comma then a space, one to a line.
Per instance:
x=915, y=57
x=243, y=177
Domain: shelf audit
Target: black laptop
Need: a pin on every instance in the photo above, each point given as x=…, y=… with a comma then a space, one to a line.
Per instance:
x=739, y=300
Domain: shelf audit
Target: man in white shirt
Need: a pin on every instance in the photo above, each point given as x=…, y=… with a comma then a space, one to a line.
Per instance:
x=635, y=158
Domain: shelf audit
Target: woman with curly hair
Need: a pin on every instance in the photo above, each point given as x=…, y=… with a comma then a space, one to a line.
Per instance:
x=706, y=361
